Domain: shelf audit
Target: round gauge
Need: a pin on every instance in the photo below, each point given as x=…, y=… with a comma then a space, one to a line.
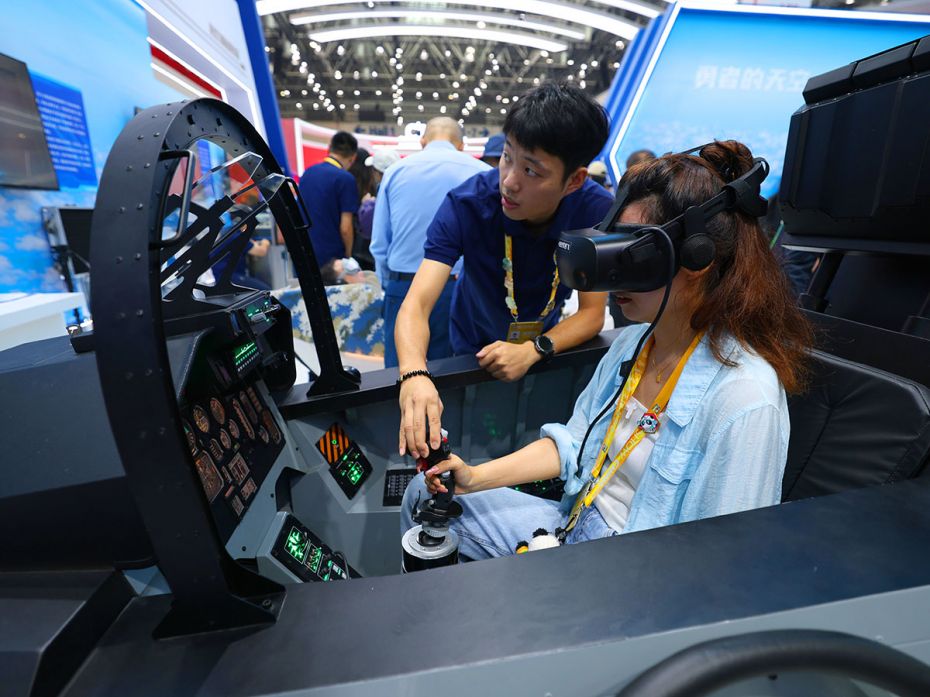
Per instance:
x=263, y=434
x=215, y=450
x=233, y=429
x=218, y=411
x=201, y=419
x=225, y=440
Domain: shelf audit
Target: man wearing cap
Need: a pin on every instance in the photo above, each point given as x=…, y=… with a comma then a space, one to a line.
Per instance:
x=597, y=172
x=410, y=194
x=493, y=150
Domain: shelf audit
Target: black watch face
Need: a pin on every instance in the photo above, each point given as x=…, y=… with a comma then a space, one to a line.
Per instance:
x=544, y=344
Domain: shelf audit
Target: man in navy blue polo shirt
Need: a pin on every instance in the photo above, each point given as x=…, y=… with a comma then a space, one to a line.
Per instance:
x=505, y=224
x=331, y=196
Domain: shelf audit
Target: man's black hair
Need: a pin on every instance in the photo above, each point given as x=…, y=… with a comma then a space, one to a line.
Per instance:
x=343, y=144
x=561, y=119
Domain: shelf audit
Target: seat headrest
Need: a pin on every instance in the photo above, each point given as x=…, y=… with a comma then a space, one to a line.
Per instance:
x=856, y=426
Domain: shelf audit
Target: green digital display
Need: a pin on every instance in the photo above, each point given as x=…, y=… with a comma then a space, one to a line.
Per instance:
x=243, y=353
x=296, y=544
x=353, y=471
x=314, y=558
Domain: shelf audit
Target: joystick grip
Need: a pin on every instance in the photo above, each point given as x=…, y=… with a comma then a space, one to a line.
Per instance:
x=441, y=499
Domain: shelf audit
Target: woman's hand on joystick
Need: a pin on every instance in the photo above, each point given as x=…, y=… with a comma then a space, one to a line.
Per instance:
x=464, y=476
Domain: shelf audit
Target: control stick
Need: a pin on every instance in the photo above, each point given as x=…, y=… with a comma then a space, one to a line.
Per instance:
x=431, y=543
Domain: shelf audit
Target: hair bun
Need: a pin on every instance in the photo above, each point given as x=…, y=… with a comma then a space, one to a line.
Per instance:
x=729, y=158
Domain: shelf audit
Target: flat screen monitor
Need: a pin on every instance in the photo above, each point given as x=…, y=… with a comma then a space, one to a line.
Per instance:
x=76, y=224
x=24, y=156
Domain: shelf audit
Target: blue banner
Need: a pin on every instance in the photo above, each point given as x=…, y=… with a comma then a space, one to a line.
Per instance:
x=62, y=111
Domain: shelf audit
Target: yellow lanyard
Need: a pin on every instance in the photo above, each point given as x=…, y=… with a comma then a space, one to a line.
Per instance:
x=508, y=282
x=333, y=161
x=648, y=424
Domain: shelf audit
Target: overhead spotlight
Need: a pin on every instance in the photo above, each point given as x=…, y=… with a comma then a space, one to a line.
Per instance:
x=594, y=64
x=356, y=107
x=497, y=98
x=442, y=76
x=283, y=93
x=330, y=108
x=400, y=79
x=379, y=50
x=377, y=93
x=506, y=100
x=582, y=84
x=374, y=73
x=464, y=112
x=356, y=93
x=340, y=50
x=299, y=105
x=371, y=5
x=483, y=85
x=447, y=53
x=619, y=44
x=442, y=109
x=356, y=75
x=337, y=75
x=400, y=120
x=419, y=107
x=487, y=110
x=477, y=91
x=424, y=55
x=469, y=49
x=487, y=72
x=419, y=95
x=544, y=53
x=570, y=78
x=549, y=61
x=316, y=106
x=455, y=84
x=520, y=79
x=535, y=80
x=515, y=98
x=570, y=61
x=303, y=93
x=392, y=60
x=463, y=77
x=435, y=95
x=342, y=106
x=339, y=93
x=418, y=76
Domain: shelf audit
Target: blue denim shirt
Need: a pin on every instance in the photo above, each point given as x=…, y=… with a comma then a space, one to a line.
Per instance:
x=722, y=446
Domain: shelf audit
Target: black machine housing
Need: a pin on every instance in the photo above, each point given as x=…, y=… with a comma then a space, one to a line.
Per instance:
x=633, y=257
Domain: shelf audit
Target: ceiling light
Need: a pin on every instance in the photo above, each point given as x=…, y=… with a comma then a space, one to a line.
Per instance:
x=355, y=75
x=419, y=95
x=356, y=93
x=442, y=109
x=419, y=76
x=399, y=66
x=435, y=95
x=339, y=93
x=299, y=105
x=547, y=8
x=377, y=93
x=424, y=55
x=455, y=84
x=419, y=107
x=481, y=24
x=379, y=50
x=374, y=73
x=340, y=50
x=337, y=75
x=463, y=76
x=316, y=106
x=483, y=85
x=447, y=53
x=503, y=111
x=487, y=110
x=594, y=64
x=355, y=106
x=303, y=93
x=581, y=84
x=442, y=76
x=505, y=37
x=342, y=106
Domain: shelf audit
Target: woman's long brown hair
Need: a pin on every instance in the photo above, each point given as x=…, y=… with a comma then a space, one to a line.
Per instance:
x=744, y=293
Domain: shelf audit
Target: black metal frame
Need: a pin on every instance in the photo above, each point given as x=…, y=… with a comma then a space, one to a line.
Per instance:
x=211, y=591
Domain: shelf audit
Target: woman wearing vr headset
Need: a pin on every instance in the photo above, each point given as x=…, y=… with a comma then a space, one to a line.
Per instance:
x=699, y=426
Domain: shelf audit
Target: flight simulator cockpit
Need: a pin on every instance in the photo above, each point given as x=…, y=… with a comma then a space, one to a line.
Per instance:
x=181, y=518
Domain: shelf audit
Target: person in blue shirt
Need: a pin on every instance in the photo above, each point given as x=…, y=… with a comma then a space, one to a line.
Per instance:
x=331, y=196
x=493, y=149
x=729, y=344
x=505, y=224
x=410, y=194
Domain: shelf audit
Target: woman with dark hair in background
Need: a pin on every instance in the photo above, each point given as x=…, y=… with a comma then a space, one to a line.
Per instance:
x=701, y=426
x=362, y=173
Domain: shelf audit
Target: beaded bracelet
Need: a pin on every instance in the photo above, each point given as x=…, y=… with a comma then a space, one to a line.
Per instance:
x=413, y=374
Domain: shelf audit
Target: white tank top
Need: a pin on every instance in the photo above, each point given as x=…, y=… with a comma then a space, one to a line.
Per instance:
x=615, y=498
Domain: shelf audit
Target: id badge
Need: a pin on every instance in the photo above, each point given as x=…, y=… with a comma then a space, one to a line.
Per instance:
x=519, y=332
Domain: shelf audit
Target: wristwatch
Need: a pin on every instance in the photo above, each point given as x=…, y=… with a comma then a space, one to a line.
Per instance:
x=544, y=347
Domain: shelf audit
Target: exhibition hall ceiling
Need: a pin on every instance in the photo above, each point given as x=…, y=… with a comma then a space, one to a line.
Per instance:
x=398, y=62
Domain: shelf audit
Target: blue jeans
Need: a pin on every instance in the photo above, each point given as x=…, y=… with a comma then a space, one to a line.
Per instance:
x=440, y=345
x=494, y=521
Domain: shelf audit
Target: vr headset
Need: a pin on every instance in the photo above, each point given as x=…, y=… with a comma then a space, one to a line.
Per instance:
x=635, y=258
